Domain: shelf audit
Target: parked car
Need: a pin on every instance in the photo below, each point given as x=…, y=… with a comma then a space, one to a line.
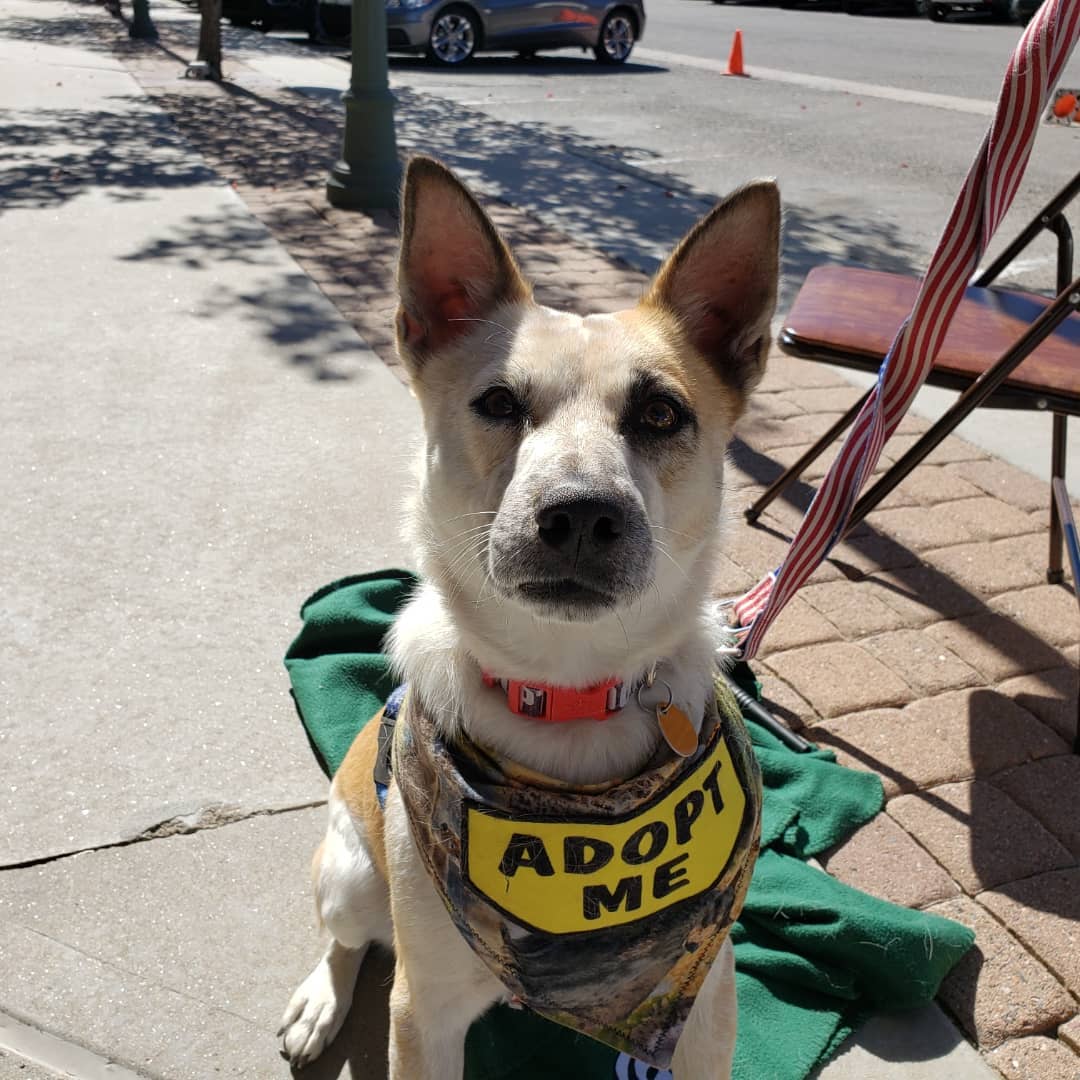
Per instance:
x=1015, y=10
x=450, y=32
x=271, y=14
x=911, y=7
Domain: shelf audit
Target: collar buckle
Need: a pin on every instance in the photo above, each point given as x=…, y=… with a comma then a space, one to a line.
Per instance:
x=560, y=704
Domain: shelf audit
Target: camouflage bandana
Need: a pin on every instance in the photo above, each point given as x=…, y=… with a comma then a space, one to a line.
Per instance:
x=599, y=908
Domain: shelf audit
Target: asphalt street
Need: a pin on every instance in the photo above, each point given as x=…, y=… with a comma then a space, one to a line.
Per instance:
x=868, y=175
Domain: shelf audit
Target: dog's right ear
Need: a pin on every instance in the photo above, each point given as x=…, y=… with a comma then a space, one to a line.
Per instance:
x=454, y=267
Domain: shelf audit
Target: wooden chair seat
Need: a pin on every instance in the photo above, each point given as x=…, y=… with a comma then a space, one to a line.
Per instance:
x=849, y=317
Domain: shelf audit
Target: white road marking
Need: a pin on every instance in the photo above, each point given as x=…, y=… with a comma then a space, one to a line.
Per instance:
x=822, y=82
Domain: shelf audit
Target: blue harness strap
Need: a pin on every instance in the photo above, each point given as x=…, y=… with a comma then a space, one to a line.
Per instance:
x=382, y=773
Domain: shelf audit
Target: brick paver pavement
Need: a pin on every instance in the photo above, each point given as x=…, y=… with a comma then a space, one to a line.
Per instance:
x=928, y=649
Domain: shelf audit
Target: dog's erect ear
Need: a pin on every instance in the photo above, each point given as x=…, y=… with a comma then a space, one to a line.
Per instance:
x=720, y=282
x=454, y=267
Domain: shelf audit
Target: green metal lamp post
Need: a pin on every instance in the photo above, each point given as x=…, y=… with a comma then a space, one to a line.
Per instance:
x=142, y=26
x=368, y=174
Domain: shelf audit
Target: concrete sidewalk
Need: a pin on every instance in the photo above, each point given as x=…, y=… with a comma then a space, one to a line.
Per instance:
x=204, y=423
x=194, y=440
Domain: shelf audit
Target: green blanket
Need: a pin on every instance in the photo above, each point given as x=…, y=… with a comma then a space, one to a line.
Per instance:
x=814, y=957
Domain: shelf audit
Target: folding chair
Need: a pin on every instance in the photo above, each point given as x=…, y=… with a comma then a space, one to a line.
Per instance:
x=1005, y=349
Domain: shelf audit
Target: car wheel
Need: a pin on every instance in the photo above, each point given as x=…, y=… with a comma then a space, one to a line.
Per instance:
x=453, y=38
x=852, y=7
x=1018, y=13
x=617, y=36
x=922, y=8
x=938, y=12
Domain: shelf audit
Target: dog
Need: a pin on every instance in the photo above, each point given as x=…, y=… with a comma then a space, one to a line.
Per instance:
x=567, y=518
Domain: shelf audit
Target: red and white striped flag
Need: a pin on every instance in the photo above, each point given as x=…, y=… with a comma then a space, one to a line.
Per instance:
x=982, y=203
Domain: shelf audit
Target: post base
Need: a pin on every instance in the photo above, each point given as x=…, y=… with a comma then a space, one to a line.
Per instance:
x=368, y=174
x=365, y=187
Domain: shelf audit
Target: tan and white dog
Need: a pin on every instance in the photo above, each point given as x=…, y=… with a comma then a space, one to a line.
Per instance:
x=568, y=514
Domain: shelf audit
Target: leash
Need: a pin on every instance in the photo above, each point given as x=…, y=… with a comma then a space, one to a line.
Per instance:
x=984, y=199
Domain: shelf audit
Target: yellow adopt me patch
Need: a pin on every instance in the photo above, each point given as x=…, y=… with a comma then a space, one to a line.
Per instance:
x=564, y=877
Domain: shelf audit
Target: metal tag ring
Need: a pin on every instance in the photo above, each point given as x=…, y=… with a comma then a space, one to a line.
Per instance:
x=658, y=708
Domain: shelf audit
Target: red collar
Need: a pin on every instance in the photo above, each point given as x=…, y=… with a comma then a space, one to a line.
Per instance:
x=558, y=704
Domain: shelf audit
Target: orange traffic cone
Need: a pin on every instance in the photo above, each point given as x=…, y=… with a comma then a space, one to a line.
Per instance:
x=734, y=60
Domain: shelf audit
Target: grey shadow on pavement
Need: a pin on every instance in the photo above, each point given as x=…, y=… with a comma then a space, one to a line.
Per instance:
x=57, y=154
x=70, y=30
x=360, y=1049
x=291, y=315
x=1051, y=711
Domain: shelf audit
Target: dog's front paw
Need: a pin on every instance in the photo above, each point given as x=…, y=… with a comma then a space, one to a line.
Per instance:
x=313, y=1017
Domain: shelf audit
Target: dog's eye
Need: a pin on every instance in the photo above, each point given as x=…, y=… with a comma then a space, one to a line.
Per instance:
x=660, y=415
x=498, y=404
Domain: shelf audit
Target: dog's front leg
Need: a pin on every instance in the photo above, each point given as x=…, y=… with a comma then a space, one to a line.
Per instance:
x=426, y=1043
x=707, y=1043
x=440, y=988
x=440, y=985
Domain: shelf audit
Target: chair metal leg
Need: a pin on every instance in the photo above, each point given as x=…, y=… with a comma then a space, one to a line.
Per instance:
x=1076, y=737
x=793, y=472
x=1063, y=511
x=1067, y=302
x=1054, y=573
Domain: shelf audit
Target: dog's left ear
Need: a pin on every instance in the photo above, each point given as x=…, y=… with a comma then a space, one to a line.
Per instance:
x=720, y=282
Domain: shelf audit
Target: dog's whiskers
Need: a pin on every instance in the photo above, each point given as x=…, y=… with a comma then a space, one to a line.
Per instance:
x=453, y=548
x=490, y=322
x=674, y=532
x=470, y=551
x=474, y=513
x=502, y=560
x=661, y=547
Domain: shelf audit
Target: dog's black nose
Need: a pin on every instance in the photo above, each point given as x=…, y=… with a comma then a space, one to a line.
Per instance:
x=597, y=522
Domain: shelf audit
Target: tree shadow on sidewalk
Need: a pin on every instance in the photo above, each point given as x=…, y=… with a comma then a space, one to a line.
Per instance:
x=297, y=320
x=69, y=31
x=203, y=240
x=55, y=155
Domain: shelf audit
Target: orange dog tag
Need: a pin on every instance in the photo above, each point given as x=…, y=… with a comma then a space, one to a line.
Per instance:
x=677, y=730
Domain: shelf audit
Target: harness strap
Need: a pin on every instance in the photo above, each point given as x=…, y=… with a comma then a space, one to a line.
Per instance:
x=382, y=773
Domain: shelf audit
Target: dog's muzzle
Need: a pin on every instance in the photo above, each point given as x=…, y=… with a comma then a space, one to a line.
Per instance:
x=582, y=553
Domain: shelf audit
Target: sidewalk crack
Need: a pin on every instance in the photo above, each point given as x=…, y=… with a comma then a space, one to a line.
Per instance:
x=214, y=816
